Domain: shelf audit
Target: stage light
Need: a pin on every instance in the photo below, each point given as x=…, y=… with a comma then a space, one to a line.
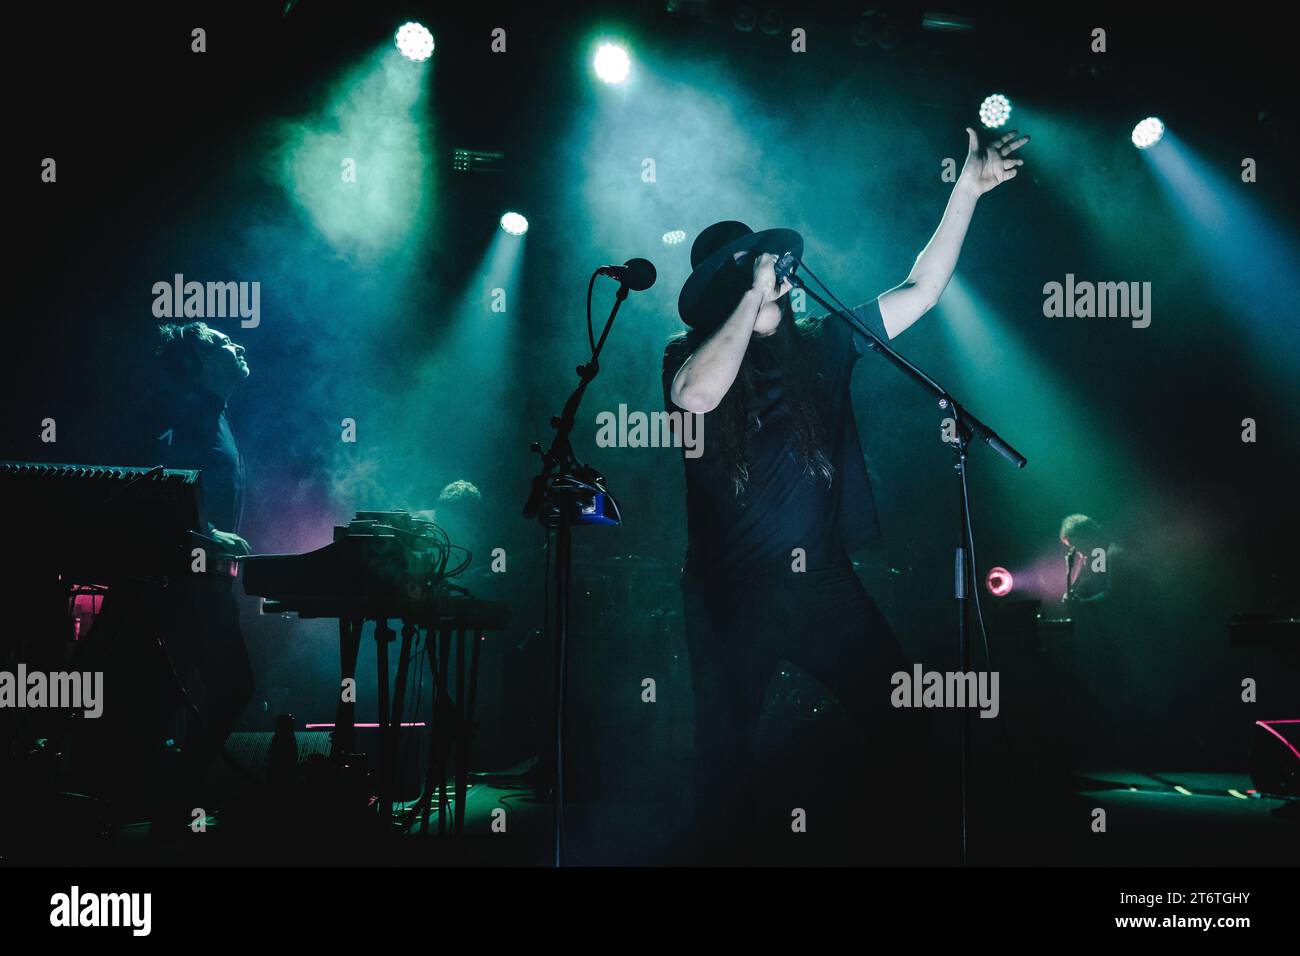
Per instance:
x=995, y=111
x=1148, y=132
x=612, y=63
x=414, y=41
x=954, y=22
x=514, y=224
x=864, y=31
x=890, y=34
x=770, y=22
x=999, y=582
x=477, y=161
x=675, y=237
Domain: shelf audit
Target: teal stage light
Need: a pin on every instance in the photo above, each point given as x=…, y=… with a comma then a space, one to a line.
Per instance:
x=612, y=63
x=414, y=41
x=514, y=223
x=1148, y=132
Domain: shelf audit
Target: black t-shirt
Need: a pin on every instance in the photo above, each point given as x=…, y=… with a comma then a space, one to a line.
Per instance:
x=192, y=430
x=783, y=507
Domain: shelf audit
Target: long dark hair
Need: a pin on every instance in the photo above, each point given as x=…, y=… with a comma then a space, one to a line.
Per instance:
x=790, y=349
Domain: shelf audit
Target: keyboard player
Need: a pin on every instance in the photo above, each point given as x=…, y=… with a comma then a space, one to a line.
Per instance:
x=189, y=427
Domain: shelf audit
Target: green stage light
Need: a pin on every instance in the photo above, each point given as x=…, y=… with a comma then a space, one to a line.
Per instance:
x=675, y=237
x=612, y=63
x=995, y=111
x=1148, y=132
x=514, y=224
x=414, y=41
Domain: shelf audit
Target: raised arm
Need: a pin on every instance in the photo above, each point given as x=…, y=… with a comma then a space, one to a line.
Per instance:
x=985, y=168
x=706, y=376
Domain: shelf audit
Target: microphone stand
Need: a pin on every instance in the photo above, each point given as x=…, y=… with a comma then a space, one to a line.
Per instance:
x=968, y=427
x=557, y=492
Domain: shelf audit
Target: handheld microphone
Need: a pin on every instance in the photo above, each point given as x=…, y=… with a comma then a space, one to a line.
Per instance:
x=637, y=274
x=785, y=267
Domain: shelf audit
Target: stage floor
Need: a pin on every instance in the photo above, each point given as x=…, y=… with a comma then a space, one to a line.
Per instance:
x=1152, y=818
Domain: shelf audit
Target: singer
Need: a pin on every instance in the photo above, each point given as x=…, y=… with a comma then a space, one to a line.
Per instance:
x=780, y=497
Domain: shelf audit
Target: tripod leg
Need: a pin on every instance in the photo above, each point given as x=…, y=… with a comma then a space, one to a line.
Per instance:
x=345, y=715
x=440, y=728
x=431, y=768
x=462, y=733
x=399, y=703
x=390, y=713
x=467, y=725
x=383, y=634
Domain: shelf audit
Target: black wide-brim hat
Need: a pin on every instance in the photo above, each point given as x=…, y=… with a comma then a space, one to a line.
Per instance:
x=713, y=251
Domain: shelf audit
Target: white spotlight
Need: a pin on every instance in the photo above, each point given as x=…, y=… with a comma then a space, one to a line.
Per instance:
x=414, y=41
x=995, y=111
x=612, y=63
x=514, y=224
x=1148, y=132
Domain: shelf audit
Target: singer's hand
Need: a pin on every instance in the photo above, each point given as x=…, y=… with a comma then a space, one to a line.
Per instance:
x=765, y=278
x=991, y=165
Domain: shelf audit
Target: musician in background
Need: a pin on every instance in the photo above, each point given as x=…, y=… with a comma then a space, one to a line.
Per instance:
x=201, y=369
x=190, y=428
x=1110, y=701
x=459, y=512
x=1088, y=556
